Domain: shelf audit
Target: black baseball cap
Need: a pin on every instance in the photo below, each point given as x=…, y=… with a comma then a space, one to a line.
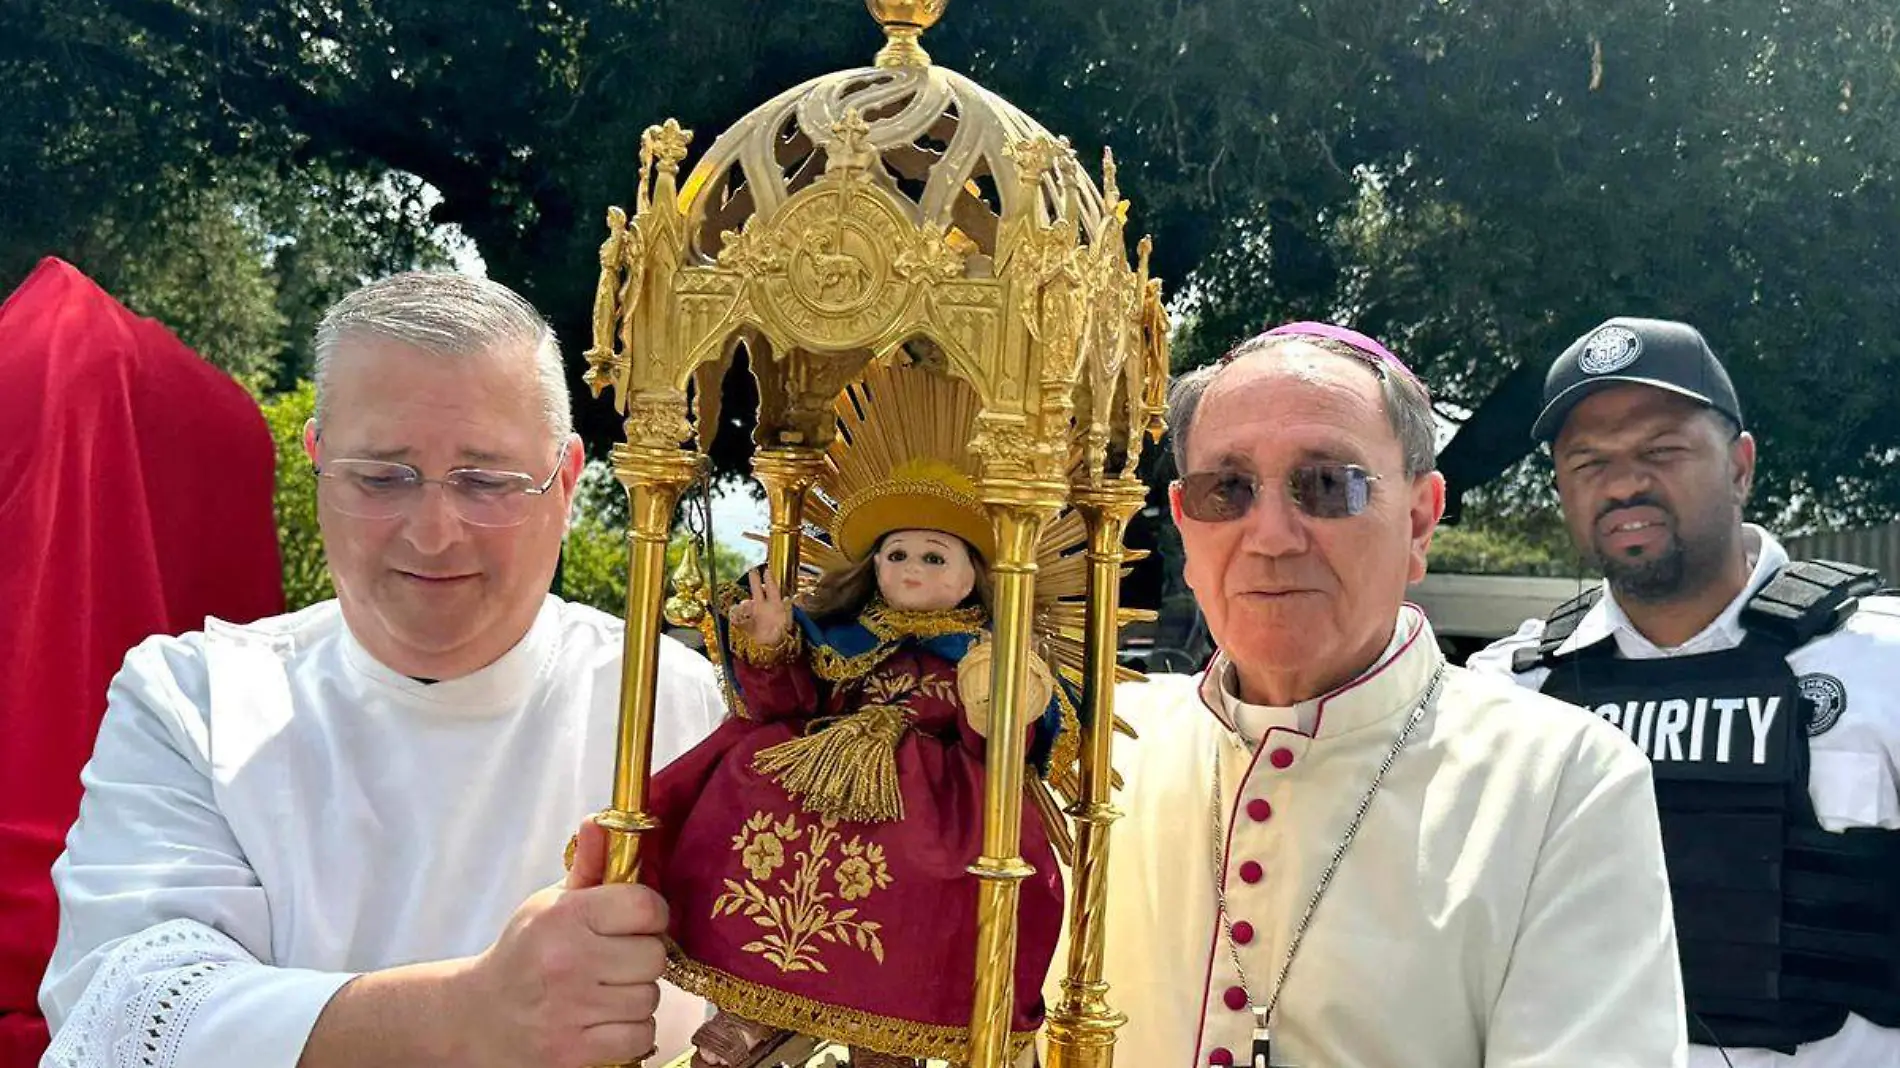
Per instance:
x=1645, y=352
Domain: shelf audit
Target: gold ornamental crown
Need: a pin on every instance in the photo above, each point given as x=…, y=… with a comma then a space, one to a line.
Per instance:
x=895, y=208
x=900, y=461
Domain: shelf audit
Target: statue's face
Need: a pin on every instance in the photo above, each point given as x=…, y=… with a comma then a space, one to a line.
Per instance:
x=924, y=570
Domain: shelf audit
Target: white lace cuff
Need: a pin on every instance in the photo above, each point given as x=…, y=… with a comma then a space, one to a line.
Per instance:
x=183, y=994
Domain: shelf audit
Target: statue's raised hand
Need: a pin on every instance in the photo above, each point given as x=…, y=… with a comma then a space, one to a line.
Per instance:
x=765, y=616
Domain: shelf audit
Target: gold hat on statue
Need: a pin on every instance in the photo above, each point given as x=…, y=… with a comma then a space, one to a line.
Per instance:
x=900, y=462
x=921, y=495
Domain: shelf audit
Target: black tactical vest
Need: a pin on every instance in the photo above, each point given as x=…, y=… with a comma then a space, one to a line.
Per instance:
x=1783, y=928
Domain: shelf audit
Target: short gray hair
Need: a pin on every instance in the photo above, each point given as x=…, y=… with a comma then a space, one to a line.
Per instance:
x=453, y=315
x=1408, y=407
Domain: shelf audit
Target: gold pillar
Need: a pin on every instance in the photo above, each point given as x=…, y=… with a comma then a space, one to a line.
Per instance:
x=654, y=479
x=1082, y=1024
x=786, y=471
x=1017, y=510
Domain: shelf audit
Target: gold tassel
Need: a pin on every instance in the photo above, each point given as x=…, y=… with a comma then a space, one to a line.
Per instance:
x=847, y=769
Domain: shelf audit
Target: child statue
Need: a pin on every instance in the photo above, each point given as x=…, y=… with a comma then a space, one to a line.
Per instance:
x=815, y=850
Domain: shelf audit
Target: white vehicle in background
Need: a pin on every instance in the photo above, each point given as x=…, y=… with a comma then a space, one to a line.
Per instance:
x=1469, y=612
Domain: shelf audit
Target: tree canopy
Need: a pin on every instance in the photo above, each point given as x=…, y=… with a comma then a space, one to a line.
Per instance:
x=1476, y=183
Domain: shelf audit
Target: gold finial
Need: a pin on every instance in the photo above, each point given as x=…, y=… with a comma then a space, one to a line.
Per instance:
x=904, y=21
x=1112, y=201
x=688, y=604
x=665, y=145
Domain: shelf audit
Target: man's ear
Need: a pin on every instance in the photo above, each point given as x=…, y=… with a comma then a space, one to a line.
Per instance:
x=572, y=463
x=1742, y=459
x=1428, y=507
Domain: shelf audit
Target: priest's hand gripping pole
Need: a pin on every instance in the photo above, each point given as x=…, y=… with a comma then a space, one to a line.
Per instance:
x=1017, y=509
x=1082, y=1024
x=654, y=480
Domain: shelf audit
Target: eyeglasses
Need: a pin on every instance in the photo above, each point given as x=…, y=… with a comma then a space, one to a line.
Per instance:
x=1323, y=491
x=376, y=489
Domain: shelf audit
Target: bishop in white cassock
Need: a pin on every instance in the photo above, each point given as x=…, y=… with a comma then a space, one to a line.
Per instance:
x=1400, y=863
x=334, y=838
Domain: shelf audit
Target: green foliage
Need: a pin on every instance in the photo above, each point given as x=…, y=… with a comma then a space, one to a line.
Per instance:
x=1475, y=183
x=1481, y=550
x=306, y=578
x=331, y=232
x=599, y=498
x=117, y=157
x=594, y=564
x=199, y=266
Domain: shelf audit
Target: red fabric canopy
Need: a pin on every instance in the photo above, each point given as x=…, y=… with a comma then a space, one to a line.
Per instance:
x=135, y=498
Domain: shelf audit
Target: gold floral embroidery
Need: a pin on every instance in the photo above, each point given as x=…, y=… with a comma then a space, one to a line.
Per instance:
x=889, y=688
x=854, y=879
x=832, y=666
x=862, y=871
x=888, y=624
x=797, y=915
x=765, y=855
x=941, y=687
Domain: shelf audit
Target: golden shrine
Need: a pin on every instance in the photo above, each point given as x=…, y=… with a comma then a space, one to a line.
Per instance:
x=901, y=215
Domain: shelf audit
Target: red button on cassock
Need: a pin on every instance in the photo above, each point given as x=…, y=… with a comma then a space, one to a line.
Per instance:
x=1235, y=998
x=1282, y=758
x=1243, y=933
x=1251, y=872
x=1222, y=1056
x=1259, y=811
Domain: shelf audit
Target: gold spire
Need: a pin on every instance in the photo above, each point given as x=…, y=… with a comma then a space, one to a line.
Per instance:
x=904, y=21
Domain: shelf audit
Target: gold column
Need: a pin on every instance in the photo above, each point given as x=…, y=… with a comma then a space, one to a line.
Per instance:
x=654, y=479
x=786, y=471
x=1017, y=510
x=1082, y=1024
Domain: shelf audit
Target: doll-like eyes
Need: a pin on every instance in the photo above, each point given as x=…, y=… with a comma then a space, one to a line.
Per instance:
x=898, y=556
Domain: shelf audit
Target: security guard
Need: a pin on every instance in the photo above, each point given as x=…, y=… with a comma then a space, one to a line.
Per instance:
x=1765, y=692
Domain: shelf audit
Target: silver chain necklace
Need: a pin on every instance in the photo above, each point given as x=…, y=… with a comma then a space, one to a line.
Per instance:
x=1263, y=1014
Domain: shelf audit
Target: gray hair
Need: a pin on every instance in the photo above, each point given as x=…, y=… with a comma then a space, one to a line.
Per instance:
x=455, y=315
x=1408, y=407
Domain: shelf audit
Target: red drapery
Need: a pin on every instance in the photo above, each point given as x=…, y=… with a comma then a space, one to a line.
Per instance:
x=135, y=498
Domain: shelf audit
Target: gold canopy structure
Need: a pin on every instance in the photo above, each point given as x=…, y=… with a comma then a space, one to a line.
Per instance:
x=897, y=212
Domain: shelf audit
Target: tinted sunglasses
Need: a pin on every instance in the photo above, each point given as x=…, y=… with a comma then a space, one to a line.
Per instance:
x=1323, y=491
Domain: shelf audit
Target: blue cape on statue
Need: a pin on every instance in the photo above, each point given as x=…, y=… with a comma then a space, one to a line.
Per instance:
x=843, y=649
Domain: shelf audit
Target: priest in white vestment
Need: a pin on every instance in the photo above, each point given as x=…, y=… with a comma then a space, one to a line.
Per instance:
x=1395, y=862
x=335, y=837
